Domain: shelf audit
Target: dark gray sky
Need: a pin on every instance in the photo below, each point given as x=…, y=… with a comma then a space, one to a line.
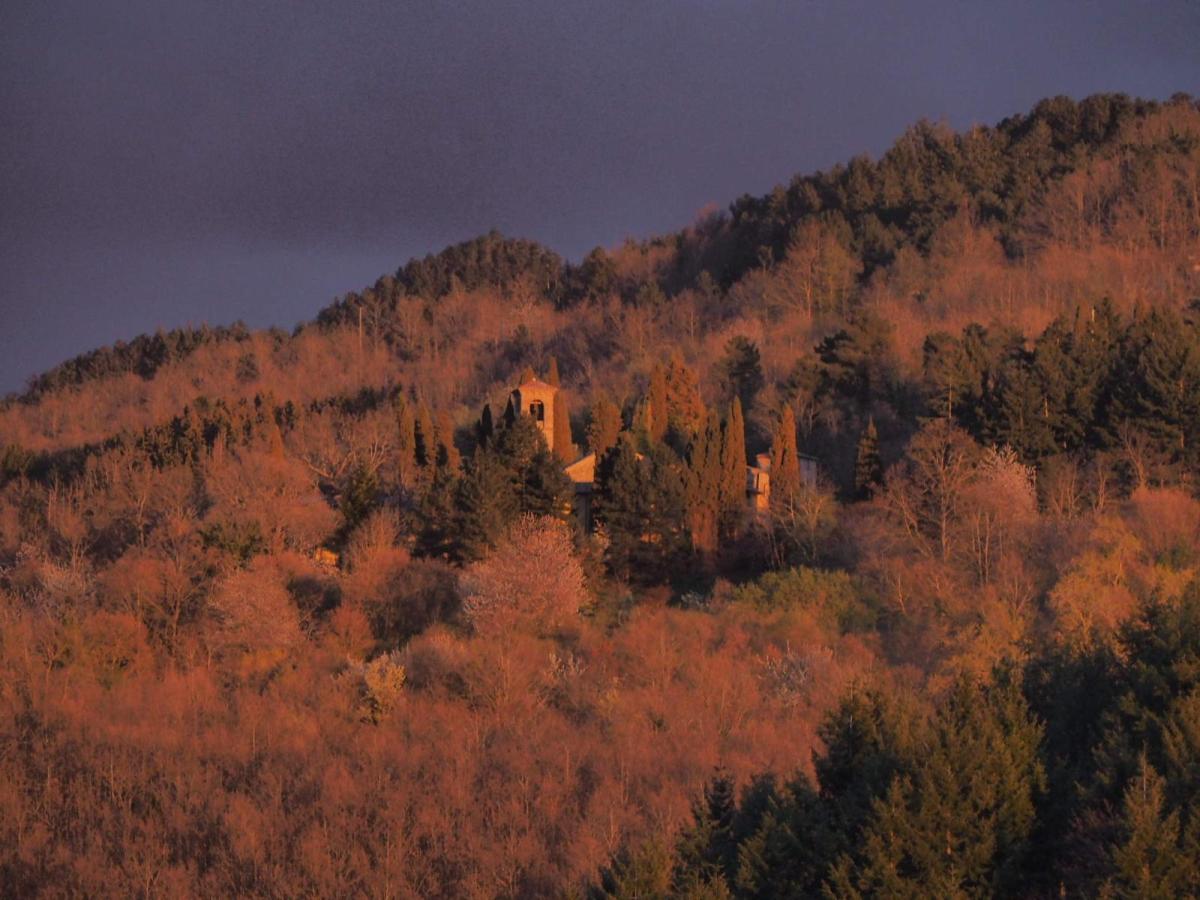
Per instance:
x=166, y=162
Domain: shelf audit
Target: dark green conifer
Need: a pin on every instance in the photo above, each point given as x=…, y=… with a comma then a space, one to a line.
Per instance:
x=733, y=470
x=868, y=468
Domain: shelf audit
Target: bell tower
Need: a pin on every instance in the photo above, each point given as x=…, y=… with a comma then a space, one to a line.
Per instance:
x=535, y=398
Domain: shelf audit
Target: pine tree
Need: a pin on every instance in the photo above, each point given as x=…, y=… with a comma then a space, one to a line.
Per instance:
x=538, y=482
x=741, y=370
x=439, y=518
x=640, y=500
x=707, y=851
x=1147, y=861
x=868, y=468
x=733, y=470
x=484, y=507
x=960, y=824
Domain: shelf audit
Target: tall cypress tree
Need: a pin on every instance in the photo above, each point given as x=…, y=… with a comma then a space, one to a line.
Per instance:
x=563, y=448
x=704, y=484
x=785, y=460
x=685, y=409
x=485, y=428
x=604, y=426
x=425, y=437
x=658, y=404
x=733, y=470
x=868, y=468
x=406, y=443
x=447, y=453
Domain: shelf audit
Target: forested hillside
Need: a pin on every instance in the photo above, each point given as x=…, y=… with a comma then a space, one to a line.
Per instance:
x=309, y=612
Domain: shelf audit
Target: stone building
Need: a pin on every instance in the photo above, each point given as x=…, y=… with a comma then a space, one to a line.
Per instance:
x=535, y=398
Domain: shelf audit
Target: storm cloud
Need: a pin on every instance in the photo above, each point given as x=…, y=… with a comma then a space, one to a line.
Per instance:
x=167, y=162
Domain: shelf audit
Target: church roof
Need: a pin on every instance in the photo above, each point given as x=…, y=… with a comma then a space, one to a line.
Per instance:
x=535, y=383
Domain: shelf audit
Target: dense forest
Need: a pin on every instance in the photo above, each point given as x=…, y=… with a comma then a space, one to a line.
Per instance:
x=310, y=613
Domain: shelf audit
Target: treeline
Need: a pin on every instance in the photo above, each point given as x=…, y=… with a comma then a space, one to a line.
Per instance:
x=142, y=356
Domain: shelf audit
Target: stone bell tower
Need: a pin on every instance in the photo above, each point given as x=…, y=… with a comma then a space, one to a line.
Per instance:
x=535, y=398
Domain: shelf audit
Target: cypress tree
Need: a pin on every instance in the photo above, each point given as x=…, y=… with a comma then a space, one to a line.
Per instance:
x=563, y=448
x=552, y=376
x=485, y=428
x=406, y=443
x=704, y=485
x=425, y=439
x=868, y=468
x=685, y=410
x=447, y=454
x=604, y=426
x=785, y=460
x=658, y=404
x=733, y=470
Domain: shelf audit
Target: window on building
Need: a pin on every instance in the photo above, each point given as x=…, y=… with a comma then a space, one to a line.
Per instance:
x=537, y=409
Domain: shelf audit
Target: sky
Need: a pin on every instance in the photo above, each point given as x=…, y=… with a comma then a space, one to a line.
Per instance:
x=166, y=163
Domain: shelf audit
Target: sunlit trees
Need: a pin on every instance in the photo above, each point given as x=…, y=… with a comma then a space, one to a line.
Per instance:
x=532, y=580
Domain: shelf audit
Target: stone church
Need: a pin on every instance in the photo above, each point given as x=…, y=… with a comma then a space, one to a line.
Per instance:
x=535, y=398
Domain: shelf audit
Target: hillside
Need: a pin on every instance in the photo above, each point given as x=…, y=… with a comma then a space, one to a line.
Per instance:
x=309, y=612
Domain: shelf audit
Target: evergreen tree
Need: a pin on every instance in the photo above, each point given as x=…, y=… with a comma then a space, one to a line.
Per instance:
x=685, y=409
x=657, y=404
x=439, y=518
x=564, y=449
x=425, y=440
x=868, y=468
x=785, y=461
x=741, y=370
x=1147, y=860
x=960, y=824
x=538, y=483
x=604, y=426
x=447, y=453
x=733, y=470
x=485, y=428
x=552, y=376
x=704, y=485
x=707, y=852
x=639, y=499
x=406, y=443
x=484, y=506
